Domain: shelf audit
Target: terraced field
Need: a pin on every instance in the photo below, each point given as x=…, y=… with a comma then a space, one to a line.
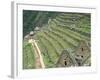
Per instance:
x=63, y=32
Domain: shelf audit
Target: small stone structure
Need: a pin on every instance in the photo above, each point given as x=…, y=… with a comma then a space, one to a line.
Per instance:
x=29, y=36
x=31, y=33
x=65, y=60
x=82, y=53
x=37, y=29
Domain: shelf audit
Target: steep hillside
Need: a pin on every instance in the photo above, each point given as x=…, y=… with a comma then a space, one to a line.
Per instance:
x=58, y=32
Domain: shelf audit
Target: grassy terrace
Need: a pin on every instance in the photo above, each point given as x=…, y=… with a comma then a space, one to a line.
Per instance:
x=45, y=53
x=52, y=51
x=69, y=38
x=57, y=42
x=70, y=30
x=71, y=25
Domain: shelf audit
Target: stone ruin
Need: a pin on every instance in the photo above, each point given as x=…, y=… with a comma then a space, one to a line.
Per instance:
x=81, y=57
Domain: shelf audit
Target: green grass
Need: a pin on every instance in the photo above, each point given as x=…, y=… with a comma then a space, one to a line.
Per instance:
x=84, y=30
x=50, y=48
x=74, y=33
x=45, y=54
x=28, y=57
x=66, y=36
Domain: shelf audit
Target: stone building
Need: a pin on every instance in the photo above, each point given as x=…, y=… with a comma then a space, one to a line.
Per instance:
x=82, y=54
x=66, y=60
x=36, y=29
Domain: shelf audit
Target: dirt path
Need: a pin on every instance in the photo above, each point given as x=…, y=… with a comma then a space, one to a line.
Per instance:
x=38, y=57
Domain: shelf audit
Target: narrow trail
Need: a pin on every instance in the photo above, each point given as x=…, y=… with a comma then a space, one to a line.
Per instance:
x=38, y=57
